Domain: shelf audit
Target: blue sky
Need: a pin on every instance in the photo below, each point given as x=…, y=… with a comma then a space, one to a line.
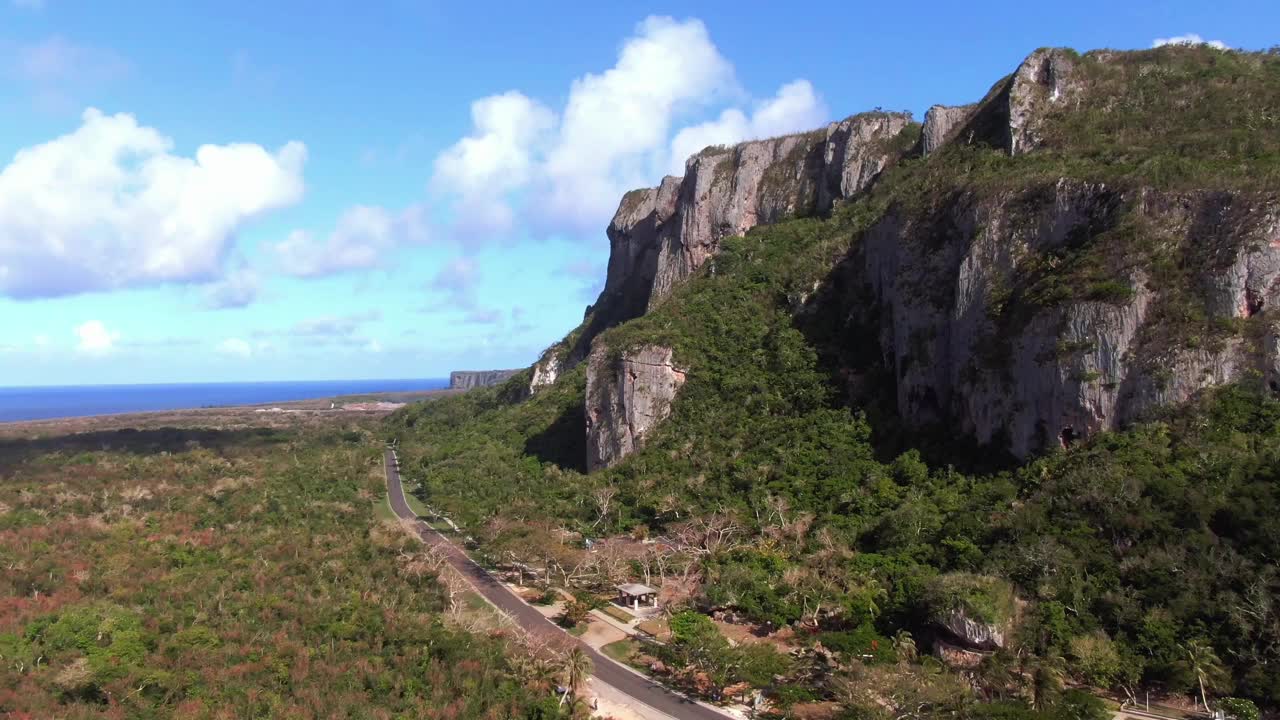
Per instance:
x=227, y=191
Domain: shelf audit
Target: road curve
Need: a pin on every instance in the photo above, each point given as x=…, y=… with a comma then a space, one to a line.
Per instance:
x=606, y=670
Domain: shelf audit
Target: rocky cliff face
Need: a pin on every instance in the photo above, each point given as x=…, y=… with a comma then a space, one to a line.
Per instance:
x=661, y=236
x=468, y=379
x=628, y=395
x=1037, y=374
x=940, y=123
x=971, y=633
x=958, y=288
x=974, y=343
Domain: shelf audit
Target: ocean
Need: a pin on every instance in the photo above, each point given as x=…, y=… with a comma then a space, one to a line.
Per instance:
x=39, y=403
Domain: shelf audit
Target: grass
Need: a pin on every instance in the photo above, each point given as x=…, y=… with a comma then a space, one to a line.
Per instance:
x=416, y=505
x=622, y=650
x=382, y=509
x=618, y=613
x=656, y=628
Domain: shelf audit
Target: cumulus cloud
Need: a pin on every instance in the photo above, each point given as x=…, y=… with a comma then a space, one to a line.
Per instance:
x=110, y=206
x=495, y=158
x=795, y=108
x=235, y=347
x=1188, y=39
x=93, y=338
x=363, y=238
x=560, y=170
x=613, y=134
x=614, y=122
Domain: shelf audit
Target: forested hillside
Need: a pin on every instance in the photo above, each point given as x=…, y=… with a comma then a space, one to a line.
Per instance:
x=805, y=478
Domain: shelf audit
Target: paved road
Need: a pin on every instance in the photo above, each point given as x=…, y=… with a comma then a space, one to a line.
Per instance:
x=606, y=670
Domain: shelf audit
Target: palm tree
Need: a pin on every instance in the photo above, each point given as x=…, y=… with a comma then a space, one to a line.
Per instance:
x=1205, y=665
x=1046, y=674
x=996, y=673
x=577, y=668
x=904, y=646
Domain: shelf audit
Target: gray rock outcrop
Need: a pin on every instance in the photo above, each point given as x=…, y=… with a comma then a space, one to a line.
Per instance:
x=945, y=284
x=1040, y=376
x=628, y=395
x=1043, y=80
x=547, y=370
x=940, y=123
x=971, y=633
x=660, y=236
x=469, y=379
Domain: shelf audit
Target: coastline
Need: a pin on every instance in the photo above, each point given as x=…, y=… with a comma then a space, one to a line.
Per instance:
x=277, y=414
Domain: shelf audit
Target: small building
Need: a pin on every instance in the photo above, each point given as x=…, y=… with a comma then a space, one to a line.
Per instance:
x=633, y=595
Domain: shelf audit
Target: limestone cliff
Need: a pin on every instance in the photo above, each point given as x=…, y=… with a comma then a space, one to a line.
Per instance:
x=469, y=379
x=628, y=395
x=1028, y=307
x=1017, y=370
x=660, y=236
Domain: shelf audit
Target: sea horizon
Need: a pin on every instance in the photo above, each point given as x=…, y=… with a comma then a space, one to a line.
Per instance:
x=48, y=402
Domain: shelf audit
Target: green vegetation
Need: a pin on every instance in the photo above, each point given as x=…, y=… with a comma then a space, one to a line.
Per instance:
x=985, y=599
x=1143, y=558
x=202, y=574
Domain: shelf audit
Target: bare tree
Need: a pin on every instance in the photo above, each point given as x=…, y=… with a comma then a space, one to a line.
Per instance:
x=603, y=498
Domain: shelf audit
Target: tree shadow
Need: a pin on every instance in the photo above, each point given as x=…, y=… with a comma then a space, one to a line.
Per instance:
x=564, y=442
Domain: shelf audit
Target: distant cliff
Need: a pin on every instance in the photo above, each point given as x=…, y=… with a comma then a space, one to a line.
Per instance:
x=468, y=379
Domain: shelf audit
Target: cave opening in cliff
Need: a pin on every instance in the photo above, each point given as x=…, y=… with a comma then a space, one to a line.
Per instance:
x=1067, y=437
x=1253, y=303
x=1275, y=386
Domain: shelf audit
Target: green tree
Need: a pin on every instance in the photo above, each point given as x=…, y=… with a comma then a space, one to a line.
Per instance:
x=577, y=668
x=1238, y=708
x=1043, y=675
x=1095, y=659
x=1203, y=663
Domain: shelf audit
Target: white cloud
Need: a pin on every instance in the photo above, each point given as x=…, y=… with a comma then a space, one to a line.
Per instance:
x=238, y=289
x=109, y=206
x=495, y=158
x=333, y=326
x=525, y=166
x=235, y=347
x=796, y=107
x=373, y=346
x=1188, y=39
x=497, y=155
x=364, y=237
x=94, y=338
x=614, y=133
x=615, y=121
